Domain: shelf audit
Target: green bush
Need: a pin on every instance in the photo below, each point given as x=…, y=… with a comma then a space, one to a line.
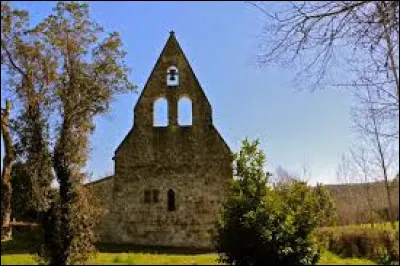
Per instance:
x=262, y=225
x=378, y=244
x=383, y=256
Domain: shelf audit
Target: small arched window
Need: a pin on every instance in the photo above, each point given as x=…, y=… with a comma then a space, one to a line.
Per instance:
x=185, y=115
x=172, y=76
x=171, y=200
x=160, y=113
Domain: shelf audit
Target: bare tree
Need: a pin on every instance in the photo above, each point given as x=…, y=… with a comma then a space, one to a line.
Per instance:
x=344, y=193
x=362, y=195
x=352, y=44
x=323, y=28
x=359, y=157
x=282, y=176
x=344, y=171
x=383, y=152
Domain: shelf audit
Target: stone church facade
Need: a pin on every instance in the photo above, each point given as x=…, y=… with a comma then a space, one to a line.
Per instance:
x=169, y=180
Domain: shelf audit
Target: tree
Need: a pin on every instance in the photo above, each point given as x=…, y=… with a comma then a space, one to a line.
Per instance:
x=22, y=200
x=30, y=72
x=322, y=29
x=325, y=206
x=6, y=189
x=260, y=225
x=362, y=171
x=363, y=168
x=381, y=158
x=283, y=175
x=68, y=63
x=11, y=26
x=325, y=210
x=350, y=44
x=396, y=180
x=90, y=71
x=26, y=199
x=355, y=42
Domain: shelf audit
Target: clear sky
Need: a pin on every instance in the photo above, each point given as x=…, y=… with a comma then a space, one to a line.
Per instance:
x=220, y=41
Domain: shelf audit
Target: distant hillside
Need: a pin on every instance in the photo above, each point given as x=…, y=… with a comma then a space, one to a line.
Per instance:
x=353, y=204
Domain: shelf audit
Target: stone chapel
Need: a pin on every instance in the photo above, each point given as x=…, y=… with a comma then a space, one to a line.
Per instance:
x=170, y=179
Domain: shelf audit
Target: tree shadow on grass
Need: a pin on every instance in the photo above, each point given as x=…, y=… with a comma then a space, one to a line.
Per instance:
x=23, y=242
x=24, y=246
x=134, y=248
x=14, y=246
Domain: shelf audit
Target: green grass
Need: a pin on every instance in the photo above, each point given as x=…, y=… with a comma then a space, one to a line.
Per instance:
x=327, y=258
x=147, y=258
x=14, y=252
x=17, y=259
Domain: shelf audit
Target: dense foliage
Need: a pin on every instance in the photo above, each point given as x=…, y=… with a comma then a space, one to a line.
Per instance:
x=25, y=200
x=379, y=242
x=264, y=225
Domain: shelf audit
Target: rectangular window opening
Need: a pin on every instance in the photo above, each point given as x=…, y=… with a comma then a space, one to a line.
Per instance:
x=147, y=196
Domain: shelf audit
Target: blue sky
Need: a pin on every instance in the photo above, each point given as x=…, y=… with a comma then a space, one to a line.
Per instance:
x=220, y=41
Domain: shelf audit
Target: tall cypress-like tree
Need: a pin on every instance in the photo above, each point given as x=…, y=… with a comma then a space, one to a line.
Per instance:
x=90, y=71
x=30, y=71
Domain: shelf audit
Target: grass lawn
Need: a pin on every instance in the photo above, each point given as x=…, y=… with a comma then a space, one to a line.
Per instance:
x=14, y=252
x=168, y=259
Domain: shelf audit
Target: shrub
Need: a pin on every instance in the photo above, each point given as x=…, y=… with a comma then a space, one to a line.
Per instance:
x=263, y=225
x=379, y=244
x=383, y=256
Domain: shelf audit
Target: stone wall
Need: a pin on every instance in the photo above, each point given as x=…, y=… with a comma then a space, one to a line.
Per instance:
x=102, y=191
x=190, y=225
x=197, y=168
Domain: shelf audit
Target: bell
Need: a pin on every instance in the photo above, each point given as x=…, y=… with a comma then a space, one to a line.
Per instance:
x=172, y=74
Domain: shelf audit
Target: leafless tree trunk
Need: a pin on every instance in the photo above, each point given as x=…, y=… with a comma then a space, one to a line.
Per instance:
x=361, y=162
x=345, y=175
x=370, y=123
x=383, y=165
x=6, y=189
